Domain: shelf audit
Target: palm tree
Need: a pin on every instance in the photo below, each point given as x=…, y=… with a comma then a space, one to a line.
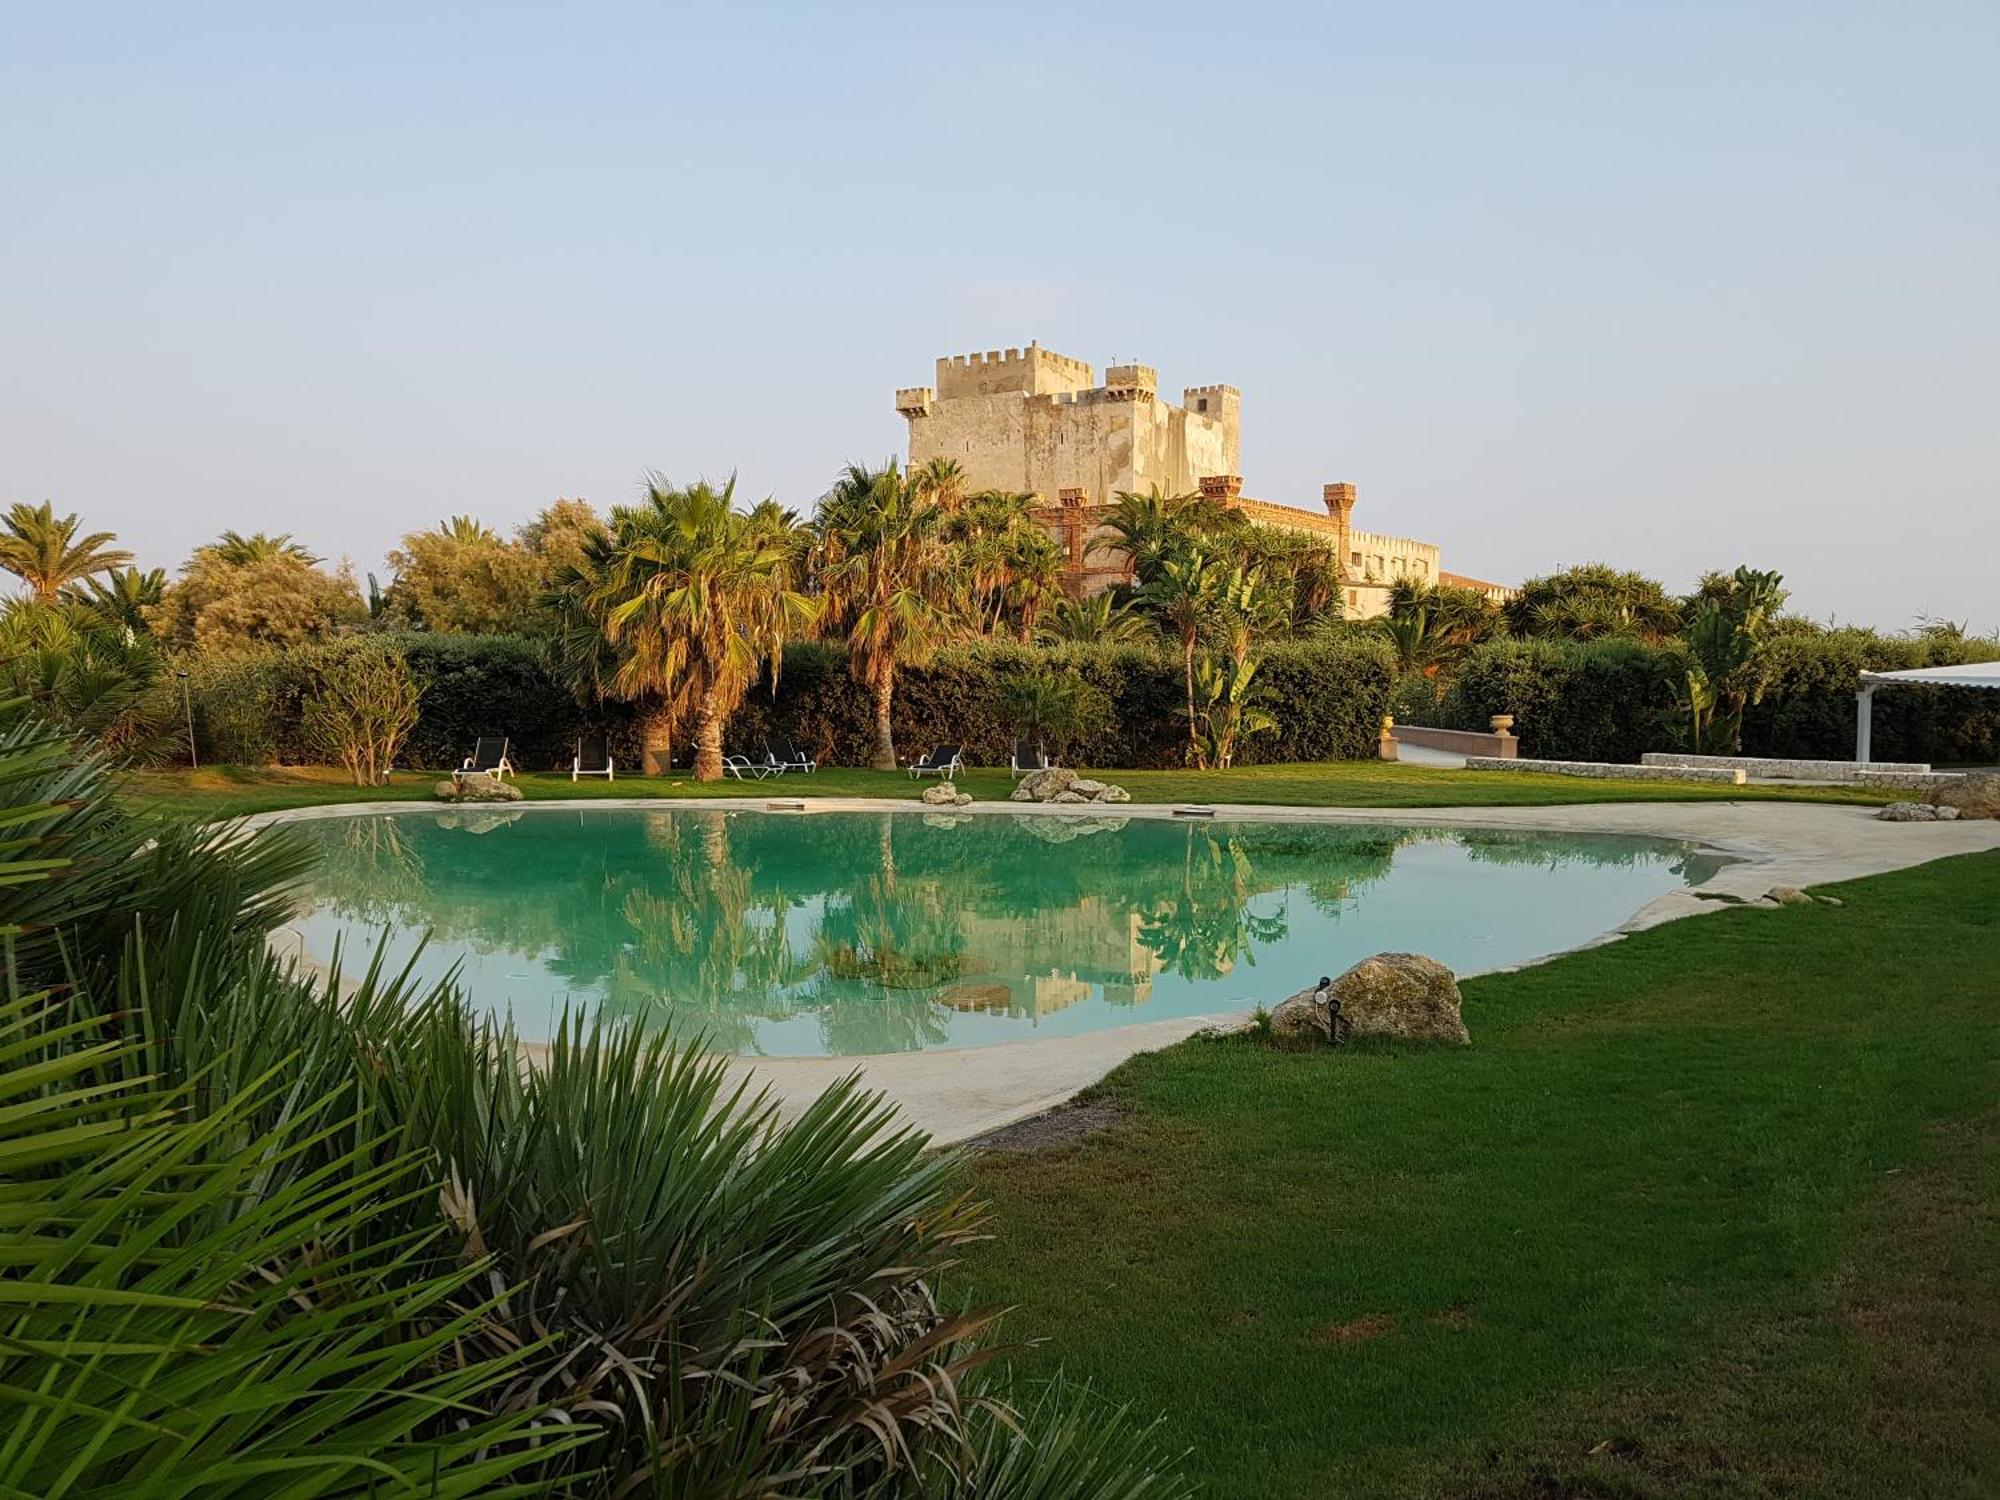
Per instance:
x=885, y=567
x=1097, y=621
x=45, y=552
x=1182, y=594
x=121, y=599
x=235, y=548
x=1148, y=526
x=695, y=598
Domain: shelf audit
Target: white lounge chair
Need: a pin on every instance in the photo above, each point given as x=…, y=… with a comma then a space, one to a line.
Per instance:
x=593, y=758
x=943, y=761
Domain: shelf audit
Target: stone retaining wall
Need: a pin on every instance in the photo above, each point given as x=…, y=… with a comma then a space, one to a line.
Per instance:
x=1804, y=770
x=1609, y=771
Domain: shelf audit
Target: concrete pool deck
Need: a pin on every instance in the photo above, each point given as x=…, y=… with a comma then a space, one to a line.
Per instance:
x=958, y=1093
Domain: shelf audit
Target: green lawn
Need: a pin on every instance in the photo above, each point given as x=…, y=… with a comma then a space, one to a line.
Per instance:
x=1713, y=1211
x=231, y=791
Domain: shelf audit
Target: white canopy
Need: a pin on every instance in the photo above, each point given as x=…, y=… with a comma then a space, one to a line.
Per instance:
x=1980, y=674
x=1971, y=674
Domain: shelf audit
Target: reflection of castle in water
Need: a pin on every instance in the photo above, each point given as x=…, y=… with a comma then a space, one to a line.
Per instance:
x=1100, y=940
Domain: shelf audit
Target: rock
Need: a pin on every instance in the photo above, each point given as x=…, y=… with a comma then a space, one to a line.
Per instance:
x=1948, y=814
x=1392, y=994
x=1021, y=794
x=1910, y=812
x=479, y=822
x=476, y=789
x=1089, y=788
x=964, y=799
x=1298, y=1019
x=1067, y=795
x=1115, y=794
x=1976, y=794
x=1045, y=786
x=945, y=820
x=1788, y=895
x=942, y=794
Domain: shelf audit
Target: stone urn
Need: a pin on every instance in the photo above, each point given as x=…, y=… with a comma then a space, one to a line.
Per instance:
x=1502, y=724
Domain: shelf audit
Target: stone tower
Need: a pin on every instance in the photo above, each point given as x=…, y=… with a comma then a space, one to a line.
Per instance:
x=1036, y=422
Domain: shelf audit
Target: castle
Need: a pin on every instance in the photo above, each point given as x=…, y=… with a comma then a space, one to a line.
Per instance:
x=1031, y=421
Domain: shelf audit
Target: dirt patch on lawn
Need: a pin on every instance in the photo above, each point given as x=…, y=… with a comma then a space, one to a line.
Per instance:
x=1062, y=1126
x=1370, y=1326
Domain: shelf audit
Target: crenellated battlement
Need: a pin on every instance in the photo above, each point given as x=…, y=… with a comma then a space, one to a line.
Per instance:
x=1033, y=371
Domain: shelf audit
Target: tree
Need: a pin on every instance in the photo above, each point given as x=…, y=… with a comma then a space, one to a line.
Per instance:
x=1728, y=667
x=1591, y=602
x=1430, y=628
x=1099, y=620
x=886, y=571
x=695, y=598
x=1181, y=593
x=1051, y=707
x=235, y=548
x=82, y=672
x=122, y=600
x=1149, y=527
x=46, y=552
x=247, y=592
x=462, y=577
x=363, y=707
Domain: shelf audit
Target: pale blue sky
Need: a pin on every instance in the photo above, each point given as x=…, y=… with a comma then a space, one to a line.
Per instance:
x=1672, y=285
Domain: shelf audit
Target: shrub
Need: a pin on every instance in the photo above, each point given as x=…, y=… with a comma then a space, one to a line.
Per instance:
x=363, y=707
x=337, y=1234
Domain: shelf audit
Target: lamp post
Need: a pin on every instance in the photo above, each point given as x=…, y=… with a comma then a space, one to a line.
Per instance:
x=187, y=702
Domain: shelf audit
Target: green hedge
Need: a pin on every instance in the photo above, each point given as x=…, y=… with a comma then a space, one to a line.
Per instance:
x=1328, y=698
x=1610, y=701
x=247, y=707
x=1615, y=700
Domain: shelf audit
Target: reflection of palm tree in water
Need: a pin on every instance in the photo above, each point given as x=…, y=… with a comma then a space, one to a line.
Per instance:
x=695, y=960
x=1200, y=930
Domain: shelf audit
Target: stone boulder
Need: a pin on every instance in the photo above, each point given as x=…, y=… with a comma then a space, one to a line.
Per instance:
x=476, y=789
x=1787, y=895
x=1908, y=812
x=1392, y=994
x=1058, y=784
x=1974, y=795
x=944, y=794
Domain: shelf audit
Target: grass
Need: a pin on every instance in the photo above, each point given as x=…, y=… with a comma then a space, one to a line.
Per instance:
x=1713, y=1211
x=233, y=791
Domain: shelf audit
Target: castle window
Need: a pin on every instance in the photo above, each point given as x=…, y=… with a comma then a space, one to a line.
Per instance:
x=1202, y=404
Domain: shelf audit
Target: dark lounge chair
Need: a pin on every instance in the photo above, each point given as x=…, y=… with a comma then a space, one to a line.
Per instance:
x=743, y=768
x=488, y=758
x=943, y=761
x=1028, y=757
x=593, y=758
x=786, y=756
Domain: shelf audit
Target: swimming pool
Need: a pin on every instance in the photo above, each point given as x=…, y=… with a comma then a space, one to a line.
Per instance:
x=848, y=933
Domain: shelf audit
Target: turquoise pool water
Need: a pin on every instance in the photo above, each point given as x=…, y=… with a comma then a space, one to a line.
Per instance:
x=849, y=933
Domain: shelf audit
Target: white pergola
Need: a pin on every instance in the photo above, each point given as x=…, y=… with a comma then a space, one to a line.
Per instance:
x=1971, y=674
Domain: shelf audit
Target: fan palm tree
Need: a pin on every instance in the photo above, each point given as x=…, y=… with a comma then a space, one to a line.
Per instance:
x=885, y=568
x=696, y=598
x=1099, y=620
x=46, y=552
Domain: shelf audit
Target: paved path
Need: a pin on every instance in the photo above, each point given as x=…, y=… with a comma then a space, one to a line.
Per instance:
x=955, y=1093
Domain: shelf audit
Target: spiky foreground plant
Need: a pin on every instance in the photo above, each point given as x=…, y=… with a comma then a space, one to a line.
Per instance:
x=265, y=1235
